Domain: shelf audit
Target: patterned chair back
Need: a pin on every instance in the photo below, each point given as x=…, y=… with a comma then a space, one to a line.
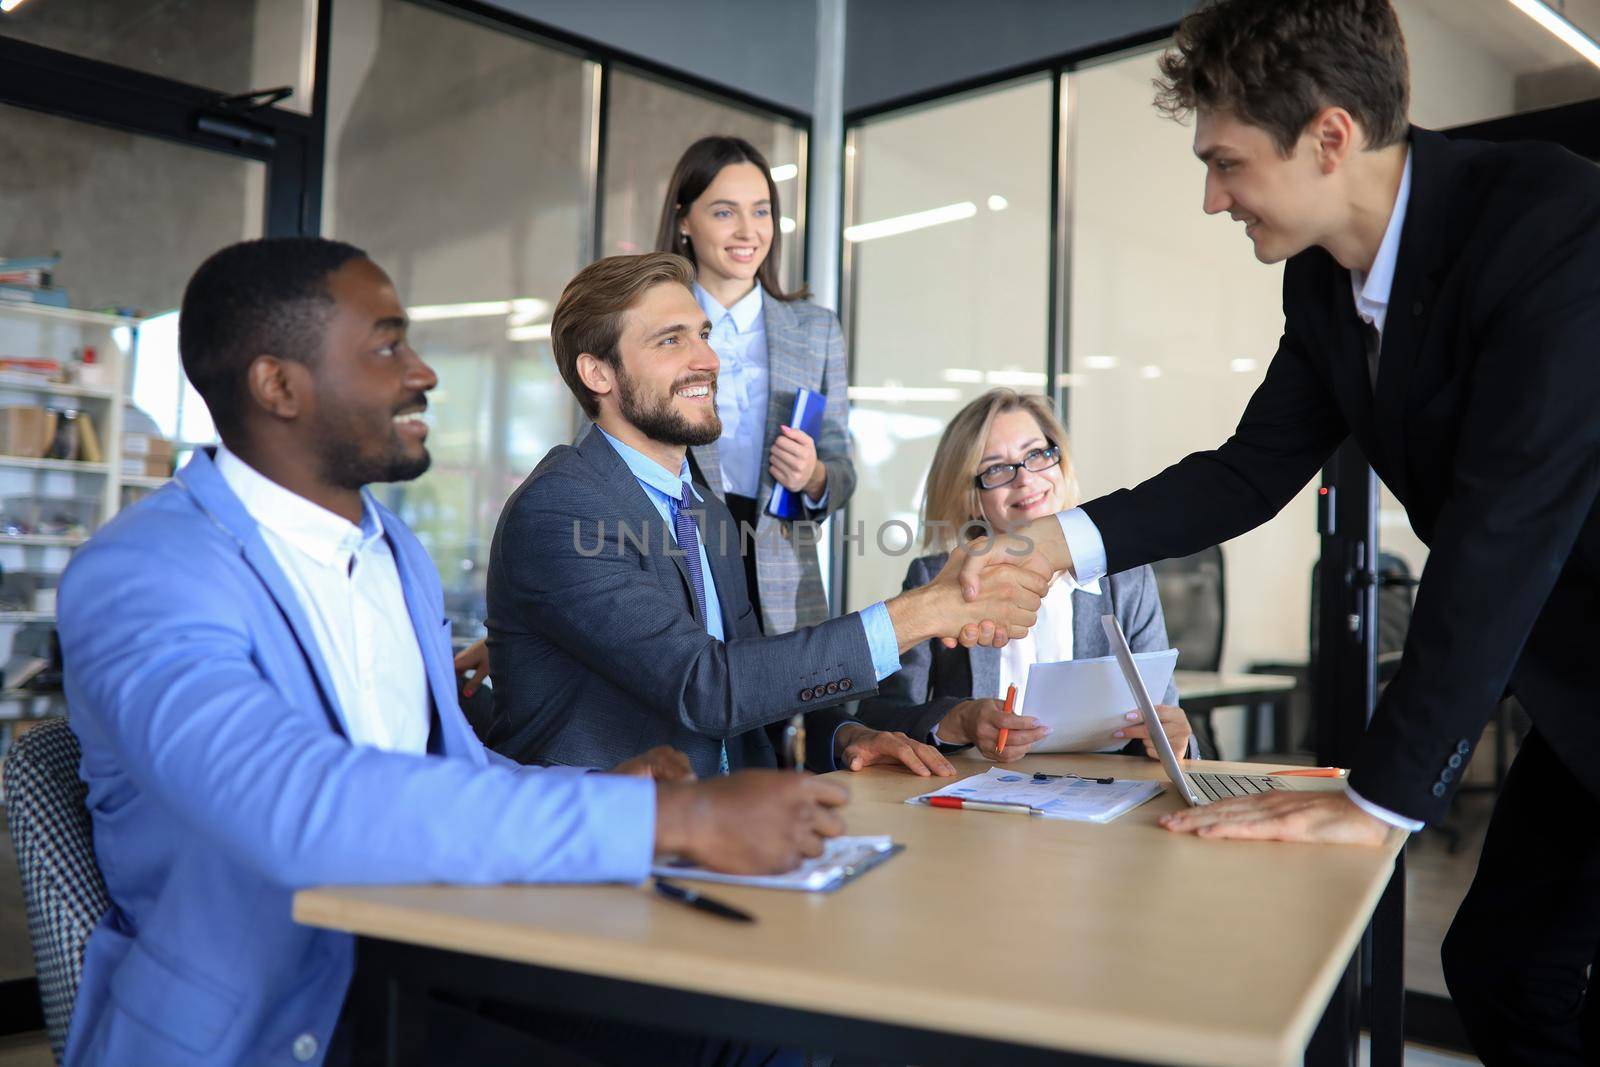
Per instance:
x=61, y=884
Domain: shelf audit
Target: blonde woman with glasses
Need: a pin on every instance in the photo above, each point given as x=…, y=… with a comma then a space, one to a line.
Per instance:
x=1002, y=462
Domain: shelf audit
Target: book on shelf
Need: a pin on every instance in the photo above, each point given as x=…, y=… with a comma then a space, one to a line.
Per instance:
x=88, y=440
x=19, y=294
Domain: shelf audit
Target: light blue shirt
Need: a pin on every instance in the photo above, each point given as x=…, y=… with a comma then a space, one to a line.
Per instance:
x=664, y=492
x=1372, y=291
x=739, y=338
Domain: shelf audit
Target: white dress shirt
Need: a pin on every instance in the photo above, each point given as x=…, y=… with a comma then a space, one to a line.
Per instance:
x=1049, y=641
x=1372, y=291
x=345, y=579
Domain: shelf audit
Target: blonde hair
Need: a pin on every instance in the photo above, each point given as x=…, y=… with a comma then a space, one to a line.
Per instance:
x=951, y=498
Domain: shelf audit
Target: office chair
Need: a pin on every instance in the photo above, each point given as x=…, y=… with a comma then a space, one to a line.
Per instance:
x=1194, y=603
x=61, y=884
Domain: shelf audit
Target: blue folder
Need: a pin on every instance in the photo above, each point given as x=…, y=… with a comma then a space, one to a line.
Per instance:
x=807, y=418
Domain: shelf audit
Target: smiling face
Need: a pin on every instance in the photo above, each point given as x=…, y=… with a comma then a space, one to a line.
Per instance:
x=729, y=226
x=366, y=424
x=1013, y=435
x=1285, y=204
x=666, y=377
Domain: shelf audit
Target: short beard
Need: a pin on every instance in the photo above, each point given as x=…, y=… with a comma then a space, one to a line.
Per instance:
x=346, y=465
x=660, y=421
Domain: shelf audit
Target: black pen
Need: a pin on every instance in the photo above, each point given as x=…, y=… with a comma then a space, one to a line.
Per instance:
x=684, y=895
x=1040, y=776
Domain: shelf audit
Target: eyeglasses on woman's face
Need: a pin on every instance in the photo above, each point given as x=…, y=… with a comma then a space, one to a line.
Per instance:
x=999, y=475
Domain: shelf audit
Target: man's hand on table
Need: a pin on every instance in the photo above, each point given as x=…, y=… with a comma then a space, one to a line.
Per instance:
x=857, y=746
x=1321, y=818
x=750, y=822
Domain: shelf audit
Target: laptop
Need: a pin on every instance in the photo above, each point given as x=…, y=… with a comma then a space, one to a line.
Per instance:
x=1196, y=787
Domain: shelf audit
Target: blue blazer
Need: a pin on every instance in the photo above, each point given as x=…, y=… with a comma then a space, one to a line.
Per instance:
x=221, y=780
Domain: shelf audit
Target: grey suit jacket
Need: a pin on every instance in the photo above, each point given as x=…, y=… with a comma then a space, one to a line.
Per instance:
x=597, y=648
x=805, y=348
x=933, y=679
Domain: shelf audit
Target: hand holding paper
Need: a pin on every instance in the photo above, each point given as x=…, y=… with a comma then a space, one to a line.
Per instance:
x=1084, y=702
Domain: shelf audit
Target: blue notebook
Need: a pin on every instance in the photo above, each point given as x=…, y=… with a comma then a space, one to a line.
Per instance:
x=807, y=418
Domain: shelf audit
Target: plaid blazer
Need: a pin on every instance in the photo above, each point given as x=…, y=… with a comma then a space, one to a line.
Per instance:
x=805, y=348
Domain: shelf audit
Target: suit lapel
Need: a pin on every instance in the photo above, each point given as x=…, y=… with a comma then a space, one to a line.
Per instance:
x=455, y=735
x=707, y=463
x=634, y=505
x=1410, y=297
x=985, y=671
x=786, y=373
x=1088, y=638
x=201, y=478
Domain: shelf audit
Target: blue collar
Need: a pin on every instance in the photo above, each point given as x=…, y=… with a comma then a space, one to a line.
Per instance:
x=653, y=474
x=746, y=311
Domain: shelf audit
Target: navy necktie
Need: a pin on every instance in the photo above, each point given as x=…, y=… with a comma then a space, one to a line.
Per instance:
x=689, y=544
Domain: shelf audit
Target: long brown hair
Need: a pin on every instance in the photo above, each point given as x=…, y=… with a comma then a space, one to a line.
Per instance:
x=950, y=503
x=697, y=168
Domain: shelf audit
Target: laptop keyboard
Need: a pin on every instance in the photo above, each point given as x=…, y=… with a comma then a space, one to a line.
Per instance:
x=1223, y=786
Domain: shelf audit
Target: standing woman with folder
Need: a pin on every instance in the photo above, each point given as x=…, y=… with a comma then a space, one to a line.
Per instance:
x=721, y=213
x=1001, y=462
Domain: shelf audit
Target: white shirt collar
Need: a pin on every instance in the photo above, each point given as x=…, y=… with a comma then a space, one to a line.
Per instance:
x=746, y=311
x=319, y=533
x=1373, y=288
x=1092, y=586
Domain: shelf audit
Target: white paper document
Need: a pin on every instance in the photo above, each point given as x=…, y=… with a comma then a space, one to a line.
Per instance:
x=1054, y=798
x=1084, y=700
x=842, y=859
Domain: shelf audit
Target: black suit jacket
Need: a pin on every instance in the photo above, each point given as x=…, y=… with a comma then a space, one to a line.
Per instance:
x=1485, y=423
x=599, y=652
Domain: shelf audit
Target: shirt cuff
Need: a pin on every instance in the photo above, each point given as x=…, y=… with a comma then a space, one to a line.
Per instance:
x=1390, y=817
x=1088, y=548
x=881, y=640
x=833, y=743
x=816, y=505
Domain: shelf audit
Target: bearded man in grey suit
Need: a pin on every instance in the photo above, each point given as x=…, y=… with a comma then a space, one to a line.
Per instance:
x=619, y=617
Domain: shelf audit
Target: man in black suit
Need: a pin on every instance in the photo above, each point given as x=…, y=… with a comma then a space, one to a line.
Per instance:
x=1442, y=307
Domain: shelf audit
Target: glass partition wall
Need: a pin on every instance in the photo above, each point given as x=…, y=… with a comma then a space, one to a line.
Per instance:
x=483, y=165
x=947, y=242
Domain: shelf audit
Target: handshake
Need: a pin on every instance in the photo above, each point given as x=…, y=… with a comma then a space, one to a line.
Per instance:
x=988, y=592
x=764, y=821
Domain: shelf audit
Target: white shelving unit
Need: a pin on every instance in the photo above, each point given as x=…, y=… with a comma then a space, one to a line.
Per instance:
x=41, y=550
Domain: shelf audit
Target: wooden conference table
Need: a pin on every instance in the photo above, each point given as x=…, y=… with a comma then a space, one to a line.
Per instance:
x=990, y=939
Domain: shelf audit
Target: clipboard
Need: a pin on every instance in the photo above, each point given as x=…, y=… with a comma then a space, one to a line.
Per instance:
x=843, y=860
x=807, y=418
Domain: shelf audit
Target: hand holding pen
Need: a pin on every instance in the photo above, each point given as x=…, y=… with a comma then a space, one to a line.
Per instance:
x=984, y=722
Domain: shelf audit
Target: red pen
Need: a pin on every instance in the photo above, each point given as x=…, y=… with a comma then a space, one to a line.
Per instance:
x=1010, y=709
x=1314, y=772
x=982, y=805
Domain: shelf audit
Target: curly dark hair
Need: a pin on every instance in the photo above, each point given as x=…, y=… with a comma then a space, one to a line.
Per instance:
x=256, y=297
x=1276, y=63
